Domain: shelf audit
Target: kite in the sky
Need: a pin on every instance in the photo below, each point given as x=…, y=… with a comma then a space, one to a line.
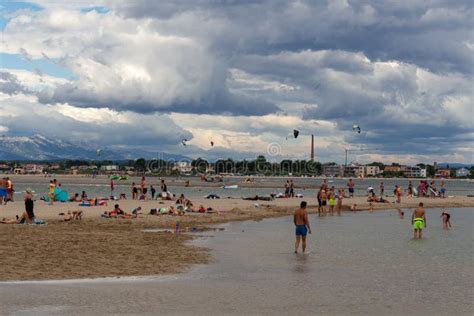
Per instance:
x=183, y=141
x=212, y=143
x=99, y=152
x=294, y=134
x=356, y=128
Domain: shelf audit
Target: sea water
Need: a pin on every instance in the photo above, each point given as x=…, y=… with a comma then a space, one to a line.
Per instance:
x=98, y=187
x=363, y=263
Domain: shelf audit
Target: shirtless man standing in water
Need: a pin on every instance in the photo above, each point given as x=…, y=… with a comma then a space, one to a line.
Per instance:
x=302, y=226
x=418, y=219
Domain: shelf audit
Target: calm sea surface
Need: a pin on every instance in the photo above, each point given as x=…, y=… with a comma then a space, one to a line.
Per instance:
x=358, y=264
x=96, y=187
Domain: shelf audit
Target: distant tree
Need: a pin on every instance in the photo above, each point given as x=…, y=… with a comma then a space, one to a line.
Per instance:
x=200, y=165
x=471, y=172
x=140, y=164
x=430, y=171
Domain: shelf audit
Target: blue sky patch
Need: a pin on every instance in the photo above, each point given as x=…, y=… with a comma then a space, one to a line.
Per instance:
x=15, y=61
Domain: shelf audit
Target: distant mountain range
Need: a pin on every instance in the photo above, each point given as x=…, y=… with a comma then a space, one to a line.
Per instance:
x=40, y=148
x=454, y=165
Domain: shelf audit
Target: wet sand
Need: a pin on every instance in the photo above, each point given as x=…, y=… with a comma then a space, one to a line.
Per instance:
x=96, y=247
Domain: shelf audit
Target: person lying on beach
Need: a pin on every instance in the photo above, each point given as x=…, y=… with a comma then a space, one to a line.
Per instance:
x=377, y=200
x=10, y=221
x=75, y=198
x=445, y=218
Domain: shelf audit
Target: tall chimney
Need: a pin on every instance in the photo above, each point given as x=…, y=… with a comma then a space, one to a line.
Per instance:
x=312, y=147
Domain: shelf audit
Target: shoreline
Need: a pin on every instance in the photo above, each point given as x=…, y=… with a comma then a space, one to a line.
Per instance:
x=97, y=248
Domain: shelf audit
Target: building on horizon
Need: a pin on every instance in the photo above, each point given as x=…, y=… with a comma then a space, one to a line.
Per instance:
x=462, y=172
x=443, y=173
x=393, y=168
x=34, y=168
x=372, y=171
x=183, y=167
x=354, y=170
x=333, y=170
x=413, y=172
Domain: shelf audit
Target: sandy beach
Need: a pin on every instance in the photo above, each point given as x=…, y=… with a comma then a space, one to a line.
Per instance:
x=97, y=247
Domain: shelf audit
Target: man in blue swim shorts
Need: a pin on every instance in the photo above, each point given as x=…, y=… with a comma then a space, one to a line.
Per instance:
x=302, y=227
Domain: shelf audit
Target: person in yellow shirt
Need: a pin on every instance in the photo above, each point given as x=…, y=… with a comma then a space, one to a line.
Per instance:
x=52, y=186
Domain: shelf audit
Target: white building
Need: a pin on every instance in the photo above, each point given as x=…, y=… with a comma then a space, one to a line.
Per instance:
x=372, y=171
x=462, y=172
x=183, y=167
x=34, y=168
x=413, y=172
x=109, y=168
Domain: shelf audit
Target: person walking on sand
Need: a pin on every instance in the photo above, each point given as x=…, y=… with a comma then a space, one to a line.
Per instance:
x=445, y=217
x=398, y=193
x=382, y=189
x=287, y=189
x=143, y=187
x=292, y=189
x=3, y=191
x=134, y=191
x=324, y=201
x=302, y=227
x=152, y=192
x=443, y=189
x=9, y=189
x=350, y=185
x=112, y=187
x=340, y=198
x=418, y=220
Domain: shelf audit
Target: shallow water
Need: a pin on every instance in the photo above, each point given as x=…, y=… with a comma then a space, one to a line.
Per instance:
x=358, y=263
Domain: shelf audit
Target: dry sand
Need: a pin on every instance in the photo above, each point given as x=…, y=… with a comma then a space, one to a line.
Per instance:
x=96, y=247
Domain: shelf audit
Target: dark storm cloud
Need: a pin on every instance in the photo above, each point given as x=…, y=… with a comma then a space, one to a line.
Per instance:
x=431, y=34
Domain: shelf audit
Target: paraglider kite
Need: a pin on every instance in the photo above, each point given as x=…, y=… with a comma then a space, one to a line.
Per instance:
x=356, y=128
x=294, y=134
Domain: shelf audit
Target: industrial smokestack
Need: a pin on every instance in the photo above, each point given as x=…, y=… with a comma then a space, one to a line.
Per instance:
x=312, y=147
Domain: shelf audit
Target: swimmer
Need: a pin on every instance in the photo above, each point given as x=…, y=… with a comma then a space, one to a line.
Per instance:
x=300, y=219
x=445, y=216
x=402, y=215
x=418, y=220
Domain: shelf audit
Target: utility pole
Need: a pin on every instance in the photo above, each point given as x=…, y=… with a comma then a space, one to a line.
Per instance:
x=312, y=147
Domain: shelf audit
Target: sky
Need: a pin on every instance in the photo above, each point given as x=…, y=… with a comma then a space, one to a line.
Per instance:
x=145, y=75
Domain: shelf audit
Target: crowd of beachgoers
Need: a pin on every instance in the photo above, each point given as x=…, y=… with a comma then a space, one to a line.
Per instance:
x=330, y=200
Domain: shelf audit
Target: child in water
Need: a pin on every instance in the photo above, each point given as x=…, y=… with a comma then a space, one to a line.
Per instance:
x=445, y=216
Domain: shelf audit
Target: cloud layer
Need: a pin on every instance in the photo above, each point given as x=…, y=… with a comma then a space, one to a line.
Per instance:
x=245, y=73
